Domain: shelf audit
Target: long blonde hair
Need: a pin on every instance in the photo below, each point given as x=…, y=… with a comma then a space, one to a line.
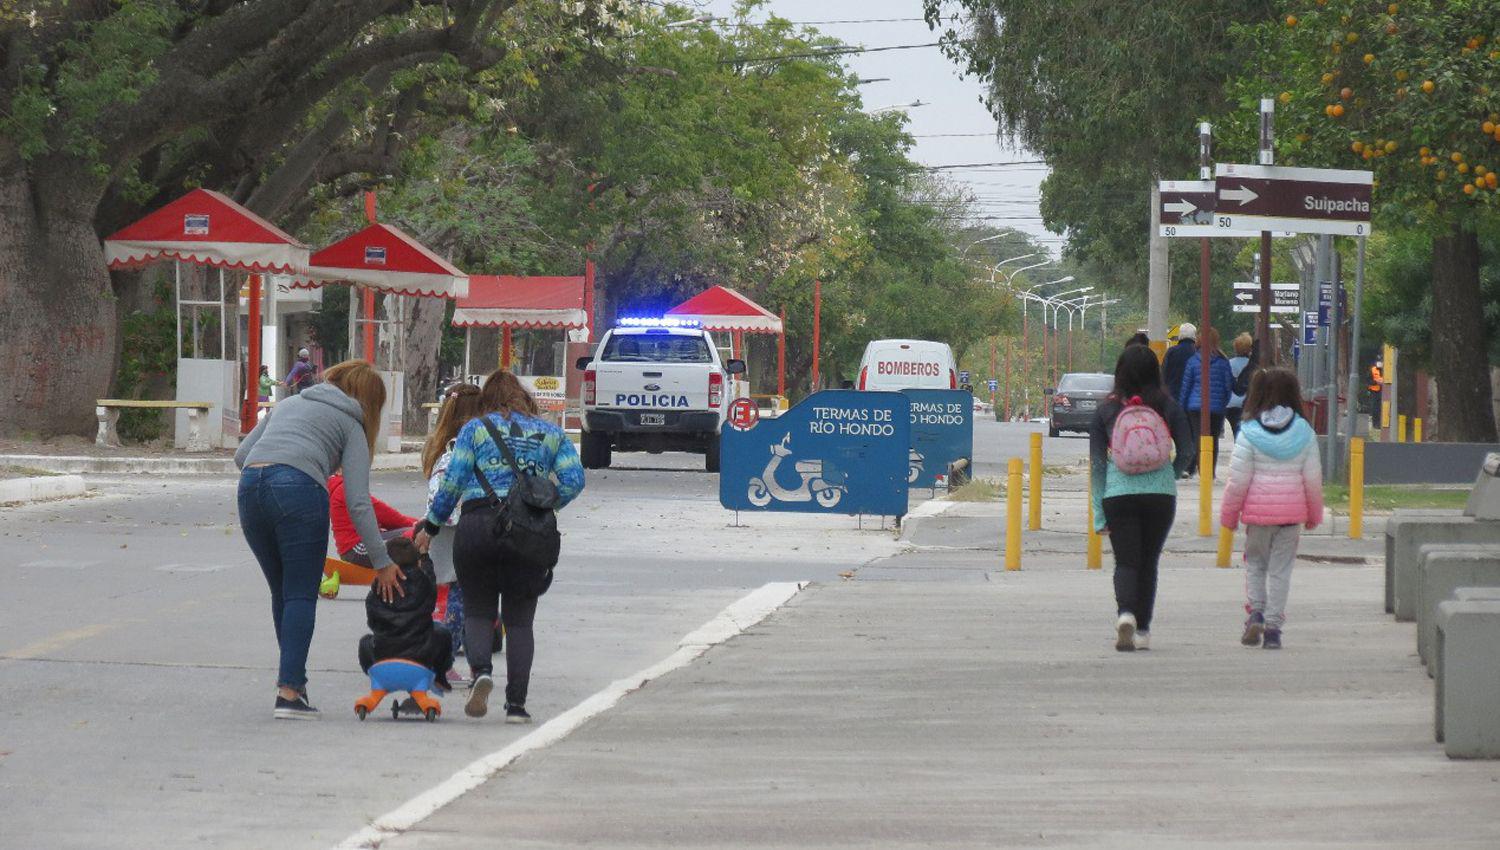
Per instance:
x=503, y=392
x=359, y=381
x=460, y=404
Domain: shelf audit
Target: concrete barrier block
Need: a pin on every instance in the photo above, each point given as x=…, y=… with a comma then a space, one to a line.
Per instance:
x=41, y=488
x=1411, y=534
x=1392, y=524
x=1443, y=568
x=1466, y=707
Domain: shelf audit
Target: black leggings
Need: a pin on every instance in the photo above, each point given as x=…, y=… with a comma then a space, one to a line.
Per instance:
x=1215, y=428
x=1138, y=527
x=479, y=577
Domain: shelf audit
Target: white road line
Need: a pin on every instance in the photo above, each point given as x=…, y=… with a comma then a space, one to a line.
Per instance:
x=742, y=614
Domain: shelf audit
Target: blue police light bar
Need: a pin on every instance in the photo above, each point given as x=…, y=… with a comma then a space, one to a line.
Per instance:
x=656, y=322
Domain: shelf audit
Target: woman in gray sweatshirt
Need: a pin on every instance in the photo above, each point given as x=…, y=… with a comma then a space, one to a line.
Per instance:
x=283, y=502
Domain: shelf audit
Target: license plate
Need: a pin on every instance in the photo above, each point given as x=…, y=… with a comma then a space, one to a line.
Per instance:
x=653, y=418
x=1087, y=405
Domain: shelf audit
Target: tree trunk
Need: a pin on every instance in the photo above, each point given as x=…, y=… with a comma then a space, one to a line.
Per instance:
x=424, y=331
x=1459, y=351
x=57, y=328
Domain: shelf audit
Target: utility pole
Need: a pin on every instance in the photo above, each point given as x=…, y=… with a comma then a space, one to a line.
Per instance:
x=1267, y=157
x=1159, y=283
x=1206, y=172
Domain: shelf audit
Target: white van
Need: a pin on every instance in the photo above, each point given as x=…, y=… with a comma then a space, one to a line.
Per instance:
x=903, y=364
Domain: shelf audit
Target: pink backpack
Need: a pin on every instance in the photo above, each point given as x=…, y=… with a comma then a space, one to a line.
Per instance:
x=1140, y=441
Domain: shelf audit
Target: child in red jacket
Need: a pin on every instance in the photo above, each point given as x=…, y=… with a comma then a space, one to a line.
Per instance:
x=392, y=522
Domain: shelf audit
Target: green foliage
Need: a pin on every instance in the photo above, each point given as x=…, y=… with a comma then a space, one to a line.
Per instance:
x=146, y=356
x=1399, y=294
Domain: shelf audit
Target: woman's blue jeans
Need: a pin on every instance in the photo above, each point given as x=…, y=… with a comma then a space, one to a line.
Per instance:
x=284, y=513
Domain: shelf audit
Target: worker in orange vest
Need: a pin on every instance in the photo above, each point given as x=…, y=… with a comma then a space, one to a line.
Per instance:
x=1377, y=379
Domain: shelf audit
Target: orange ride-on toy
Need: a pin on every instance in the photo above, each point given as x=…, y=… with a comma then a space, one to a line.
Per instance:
x=398, y=674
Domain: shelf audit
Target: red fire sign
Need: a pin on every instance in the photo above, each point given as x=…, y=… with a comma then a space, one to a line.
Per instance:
x=743, y=414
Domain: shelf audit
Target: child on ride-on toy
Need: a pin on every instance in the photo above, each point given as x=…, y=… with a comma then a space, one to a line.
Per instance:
x=403, y=628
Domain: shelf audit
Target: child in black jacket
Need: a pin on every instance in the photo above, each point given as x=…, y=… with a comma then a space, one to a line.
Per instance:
x=403, y=628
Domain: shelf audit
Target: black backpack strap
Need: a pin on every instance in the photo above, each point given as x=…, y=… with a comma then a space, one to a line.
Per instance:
x=510, y=456
x=484, y=481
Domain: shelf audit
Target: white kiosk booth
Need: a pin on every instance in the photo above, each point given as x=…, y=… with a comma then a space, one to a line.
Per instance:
x=215, y=245
x=524, y=324
x=387, y=266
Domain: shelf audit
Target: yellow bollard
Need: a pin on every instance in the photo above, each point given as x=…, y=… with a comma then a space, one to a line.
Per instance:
x=1035, y=523
x=1013, y=515
x=1356, y=487
x=1226, y=545
x=1095, y=542
x=1205, y=486
x=1416, y=430
x=1401, y=428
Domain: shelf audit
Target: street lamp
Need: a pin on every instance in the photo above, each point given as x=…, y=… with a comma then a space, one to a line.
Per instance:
x=687, y=22
x=1006, y=232
x=1012, y=275
x=913, y=105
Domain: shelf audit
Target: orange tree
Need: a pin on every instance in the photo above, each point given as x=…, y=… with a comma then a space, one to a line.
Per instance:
x=1410, y=90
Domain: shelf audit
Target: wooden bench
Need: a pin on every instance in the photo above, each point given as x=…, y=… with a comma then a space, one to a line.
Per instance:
x=108, y=411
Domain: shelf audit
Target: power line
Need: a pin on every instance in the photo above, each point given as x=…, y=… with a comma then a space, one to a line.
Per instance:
x=985, y=165
x=832, y=51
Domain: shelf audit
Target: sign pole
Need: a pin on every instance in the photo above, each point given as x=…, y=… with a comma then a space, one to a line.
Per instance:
x=781, y=357
x=992, y=368
x=1335, y=325
x=1206, y=172
x=1267, y=157
x=1359, y=292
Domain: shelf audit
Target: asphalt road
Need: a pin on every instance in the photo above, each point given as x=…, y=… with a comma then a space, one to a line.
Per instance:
x=995, y=443
x=139, y=663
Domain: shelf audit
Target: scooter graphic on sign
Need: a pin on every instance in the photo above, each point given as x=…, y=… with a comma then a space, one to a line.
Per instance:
x=913, y=465
x=765, y=489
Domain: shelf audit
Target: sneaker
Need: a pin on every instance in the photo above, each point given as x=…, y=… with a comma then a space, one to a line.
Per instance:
x=516, y=713
x=295, y=709
x=1142, y=641
x=1254, y=626
x=1273, y=639
x=459, y=680
x=1125, y=627
x=479, y=697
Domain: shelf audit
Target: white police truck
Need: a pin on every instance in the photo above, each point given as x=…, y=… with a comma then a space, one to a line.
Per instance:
x=654, y=385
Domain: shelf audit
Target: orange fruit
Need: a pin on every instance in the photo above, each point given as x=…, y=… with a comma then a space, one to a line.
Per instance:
x=1346, y=92
x=1291, y=20
x=1286, y=97
x=1495, y=116
x=1391, y=29
x=1369, y=57
x=1369, y=153
x=1456, y=156
x=1352, y=37
x=1495, y=54
x=1491, y=179
x=1479, y=171
x=1425, y=150
x=1401, y=93
x=1338, y=110
x=1472, y=44
x=1390, y=147
x=1463, y=168
x=1392, y=9
x=1428, y=86
x=1468, y=188
x=1327, y=79
x=1328, y=110
x=1337, y=47
x=1401, y=76
x=1441, y=175
x=1497, y=134
x=1487, y=128
x=1357, y=147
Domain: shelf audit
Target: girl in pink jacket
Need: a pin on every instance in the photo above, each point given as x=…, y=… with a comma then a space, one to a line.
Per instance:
x=1276, y=487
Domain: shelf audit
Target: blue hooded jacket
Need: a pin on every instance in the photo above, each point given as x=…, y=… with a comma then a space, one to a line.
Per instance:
x=1220, y=384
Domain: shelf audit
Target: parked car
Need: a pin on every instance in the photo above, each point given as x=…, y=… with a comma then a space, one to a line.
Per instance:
x=1076, y=398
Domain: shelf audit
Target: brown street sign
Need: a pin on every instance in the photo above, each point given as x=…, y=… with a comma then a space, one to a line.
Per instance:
x=1187, y=209
x=1300, y=200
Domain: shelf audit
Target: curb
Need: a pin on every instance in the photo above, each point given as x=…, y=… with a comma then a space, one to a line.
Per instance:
x=169, y=465
x=928, y=510
x=40, y=489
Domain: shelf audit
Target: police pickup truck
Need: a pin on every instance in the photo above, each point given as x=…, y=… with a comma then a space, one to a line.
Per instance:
x=654, y=386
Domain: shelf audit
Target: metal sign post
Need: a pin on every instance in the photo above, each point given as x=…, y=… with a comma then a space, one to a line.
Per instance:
x=1205, y=171
x=1359, y=291
x=1267, y=158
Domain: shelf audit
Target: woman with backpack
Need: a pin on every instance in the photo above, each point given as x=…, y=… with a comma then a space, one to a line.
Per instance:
x=1220, y=386
x=1243, y=368
x=1134, y=484
x=508, y=449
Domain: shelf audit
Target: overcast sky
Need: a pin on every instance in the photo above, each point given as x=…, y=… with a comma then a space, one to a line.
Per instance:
x=953, y=128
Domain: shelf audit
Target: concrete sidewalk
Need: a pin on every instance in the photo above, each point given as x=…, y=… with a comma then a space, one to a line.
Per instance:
x=933, y=701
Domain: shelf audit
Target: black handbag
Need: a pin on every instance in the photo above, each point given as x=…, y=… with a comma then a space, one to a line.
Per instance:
x=524, y=525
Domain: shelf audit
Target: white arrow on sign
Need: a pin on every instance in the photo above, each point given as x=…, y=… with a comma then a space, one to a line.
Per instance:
x=1243, y=194
x=1179, y=207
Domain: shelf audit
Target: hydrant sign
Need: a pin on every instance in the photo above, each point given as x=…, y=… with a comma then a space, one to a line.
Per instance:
x=942, y=431
x=836, y=452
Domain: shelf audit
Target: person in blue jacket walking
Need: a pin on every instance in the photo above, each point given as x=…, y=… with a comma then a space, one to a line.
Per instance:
x=1220, y=388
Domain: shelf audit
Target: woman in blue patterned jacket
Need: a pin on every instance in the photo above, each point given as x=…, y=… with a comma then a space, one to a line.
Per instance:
x=541, y=449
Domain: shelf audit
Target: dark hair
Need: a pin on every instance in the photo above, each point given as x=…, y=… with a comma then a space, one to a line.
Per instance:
x=1273, y=387
x=403, y=551
x=1139, y=338
x=1137, y=373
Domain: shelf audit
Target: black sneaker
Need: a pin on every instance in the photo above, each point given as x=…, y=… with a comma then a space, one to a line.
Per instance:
x=516, y=713
x=295, y=709
x=1255, y=625
x=479, y=696
x=1272, y=639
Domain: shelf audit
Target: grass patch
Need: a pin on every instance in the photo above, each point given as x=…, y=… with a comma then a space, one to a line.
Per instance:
x=25, y=472
x=977, y=490
x=1389, y=497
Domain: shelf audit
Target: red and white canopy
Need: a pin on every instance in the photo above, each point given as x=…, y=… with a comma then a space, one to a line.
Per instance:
x=383, y=257
x=722, y=309
x=521, y=302
x=205, y=228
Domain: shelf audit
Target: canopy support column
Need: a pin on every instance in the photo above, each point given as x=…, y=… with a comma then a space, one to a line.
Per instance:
x=506, y=344
x=252, y=369
x=781, y=357
x=368, y=296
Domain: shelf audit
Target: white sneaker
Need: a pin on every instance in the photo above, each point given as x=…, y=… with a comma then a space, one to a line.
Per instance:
x=1125, y=627
x=1142, y=640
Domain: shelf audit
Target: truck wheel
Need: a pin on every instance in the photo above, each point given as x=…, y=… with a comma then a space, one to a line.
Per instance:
x=595, y=450
x=711, y=455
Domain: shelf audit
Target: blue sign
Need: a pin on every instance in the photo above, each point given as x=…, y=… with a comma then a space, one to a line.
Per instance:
x=942, y=431
x=1309, y=328
x=374, y=255
x=1325, y=302
x=994, y=385
x=963, y=376
x=835, y=452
